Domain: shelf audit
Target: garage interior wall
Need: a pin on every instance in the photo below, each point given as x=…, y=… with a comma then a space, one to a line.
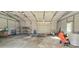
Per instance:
x=44, y=27
x=14, y=26
x=3, y=23
x=60, y=26
x=33, y=26
x=11, y=25
x=76, y=23
x=53, y=26
x=17, y=27
x=63, y=24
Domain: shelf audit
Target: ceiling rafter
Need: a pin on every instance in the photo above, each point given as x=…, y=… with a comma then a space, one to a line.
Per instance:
x=2, y=13
x=10, y=16
x=43, y=15
x=53, y=16
x=64, y=15
x=17, y=16
x=26, y=17
x=8, y=19
x=34, y=16
x=7, y=16
x=22, y=13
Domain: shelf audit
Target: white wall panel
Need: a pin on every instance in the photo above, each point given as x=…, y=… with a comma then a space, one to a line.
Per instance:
x=53, y=26
x=43, y=27
x=59, y=26
x=76, y=23
x=17, y=28
x=11, y=26
x=64, y=26
x=3, y=23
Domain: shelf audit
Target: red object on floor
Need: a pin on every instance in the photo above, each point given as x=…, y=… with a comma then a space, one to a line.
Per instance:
x=61, y=36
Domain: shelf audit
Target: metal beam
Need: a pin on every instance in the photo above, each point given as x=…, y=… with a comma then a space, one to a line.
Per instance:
x=22, y=13
x=44, y=15
x=34, y=16
x=67, y=12
x=68, y=16
x=19, y=17
x=9, y=16
x=53, y=16
x=26, y=17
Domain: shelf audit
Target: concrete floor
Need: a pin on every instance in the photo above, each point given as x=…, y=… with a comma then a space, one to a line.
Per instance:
x=23, y=41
